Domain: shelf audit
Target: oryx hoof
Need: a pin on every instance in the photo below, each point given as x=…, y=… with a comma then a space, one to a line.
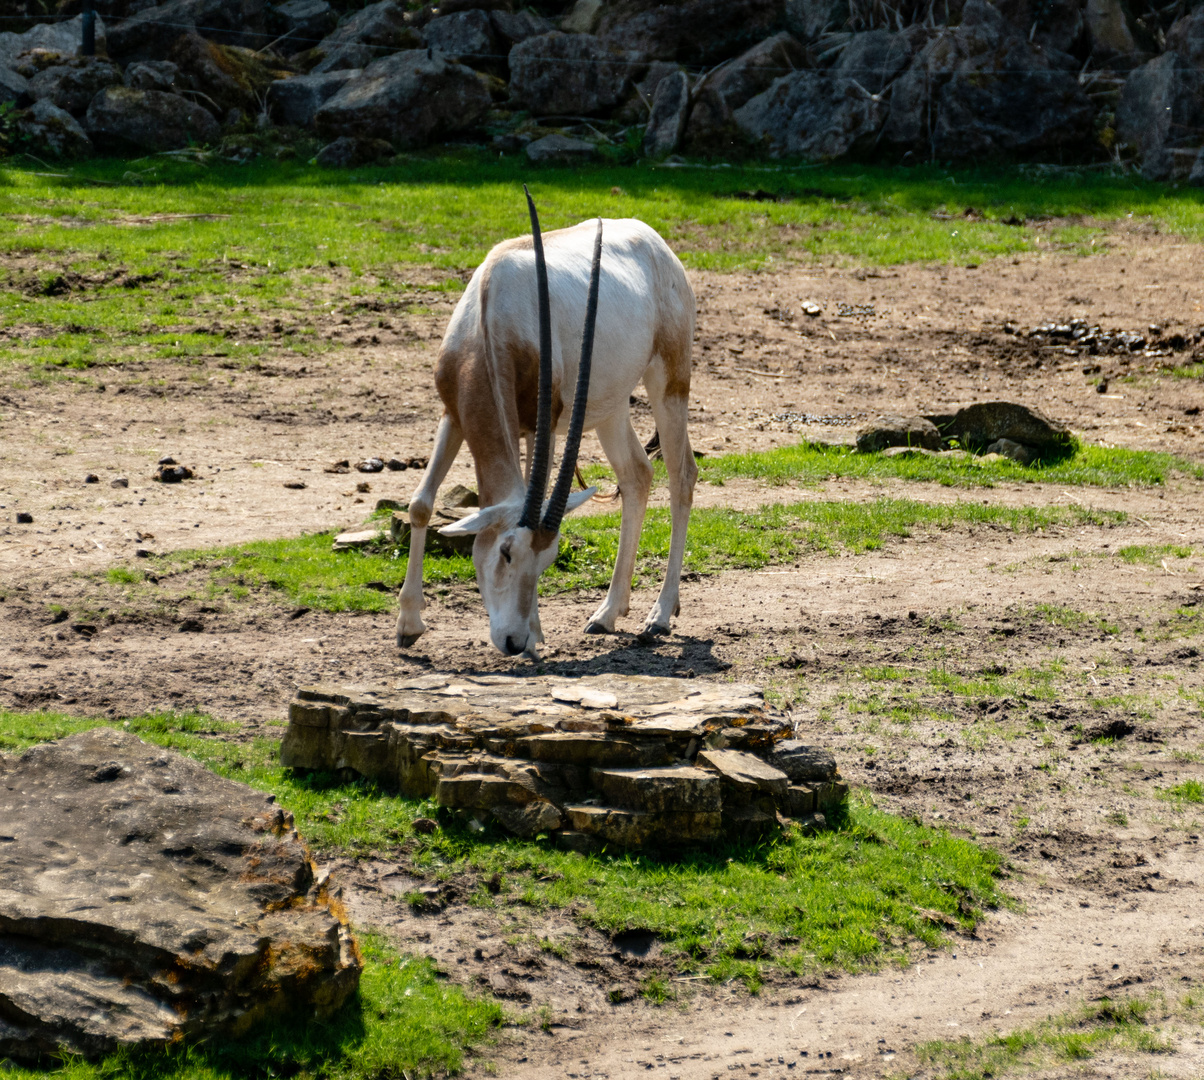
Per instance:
x=597, y=628
x=406, y=641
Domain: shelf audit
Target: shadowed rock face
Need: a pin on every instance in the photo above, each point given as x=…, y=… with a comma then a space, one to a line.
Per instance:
x=142, y=898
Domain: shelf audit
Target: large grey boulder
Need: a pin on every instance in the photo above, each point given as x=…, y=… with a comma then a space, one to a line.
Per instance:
x=670, y=110
x=804, y=763
x=978, y=426
x=144, y=900
x=813, y=115
x=694, y=31
x=1186, y=37
x=54, y=131
x=228, y=77
x=350, y=57
x=160, y=75
x=408, y=98
x=513, y=27
x=808, y=19
x=296, y=101
x=560, y=74
x=888, y=431
x=382, y=24
x=981, y=90
x=71, y=86
x=148, y=34
x=65, y=38
x=712, y=127
x=465, y=37
x=13, y=86
x=1161, y=109
x=305, y=22
x=875, y=59
x=120, y=118
x=556, y=149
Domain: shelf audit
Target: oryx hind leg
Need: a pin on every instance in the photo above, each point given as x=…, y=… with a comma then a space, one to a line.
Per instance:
x=633, y=470
x=671, y=407
x=448, y=438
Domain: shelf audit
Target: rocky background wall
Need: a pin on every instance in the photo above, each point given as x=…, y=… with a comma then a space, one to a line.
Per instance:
x=1060, y=81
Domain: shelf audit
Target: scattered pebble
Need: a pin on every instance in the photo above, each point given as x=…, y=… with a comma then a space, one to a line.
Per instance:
x=120, y=482
x=91, y=478
x=395, y=464
x=166, y=461
x=295, y=485
x=339, y=467
x=24, y=518
x=172, y=473
x=810, y=307
x=372, y=464
x=363, y=487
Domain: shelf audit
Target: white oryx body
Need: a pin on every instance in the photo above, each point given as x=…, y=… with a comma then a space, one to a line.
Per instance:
x=488, y=376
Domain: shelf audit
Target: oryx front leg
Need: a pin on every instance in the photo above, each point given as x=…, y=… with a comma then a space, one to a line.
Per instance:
x=633, y=470
x=448, y=438
x=672, y=414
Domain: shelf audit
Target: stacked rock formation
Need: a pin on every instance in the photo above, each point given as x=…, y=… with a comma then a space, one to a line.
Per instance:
x=1058, y=81
x=628, y=761
x=143, y=899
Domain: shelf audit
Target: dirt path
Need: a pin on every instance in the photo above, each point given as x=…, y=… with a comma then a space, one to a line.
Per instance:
x=884, y=656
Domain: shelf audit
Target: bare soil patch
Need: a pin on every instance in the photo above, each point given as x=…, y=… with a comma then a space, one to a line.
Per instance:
x=1050, y=692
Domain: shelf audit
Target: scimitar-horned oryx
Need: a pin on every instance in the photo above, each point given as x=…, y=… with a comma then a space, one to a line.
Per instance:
x=506, y=359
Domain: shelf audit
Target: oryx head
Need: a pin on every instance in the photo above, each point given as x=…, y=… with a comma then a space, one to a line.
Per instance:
x=516, y=542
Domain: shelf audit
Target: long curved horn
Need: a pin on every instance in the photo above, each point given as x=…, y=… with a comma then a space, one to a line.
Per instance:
x=541, y=456
x=572, y=443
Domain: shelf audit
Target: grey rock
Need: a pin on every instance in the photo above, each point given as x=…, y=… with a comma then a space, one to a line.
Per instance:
x=745, y=771
x=1186, y=37
x=350, y=150
x=804, y=763
x=670, y=110
x=408, y=98
x=161, y=75
x=898, y=431
x=711, y=127
x=73, y=85
x=228, y=76
x=382, y=24
x=582, y=17
x=977, y=426
x=120, y=118
x=305, y=21
x=1196, y=177
x=560, y=74
x=808, y=19
x=694, y=31
x=560, y=150
x=296, y=101
x=13, y=86
x=64, y=38
x=800, y=800
x=145, y=900
x=54, y=131
x=350, y=57
x=148, y=34
x=813, y=115
x=1054, y=26
x=982, y=90
x=875, y=59
x=672, y=788
x=464, y=37
x=1161, y=109
x=1108, y=26
x=513, y=27
x=1018, y=452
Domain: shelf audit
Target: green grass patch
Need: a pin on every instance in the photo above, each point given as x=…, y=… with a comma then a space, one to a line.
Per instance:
x=1095, y=466
x=307, y=572
x=1068, y=618
x=1154, y=554
x=1136, y=1025
x=860, y=895
x=140, y=259
x=1189, y=791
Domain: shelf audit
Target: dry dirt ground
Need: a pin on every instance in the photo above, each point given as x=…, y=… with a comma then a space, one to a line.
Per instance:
x=1078, y=641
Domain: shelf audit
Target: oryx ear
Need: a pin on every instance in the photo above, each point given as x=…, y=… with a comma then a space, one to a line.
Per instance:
x=474, y=523
x=580, y=498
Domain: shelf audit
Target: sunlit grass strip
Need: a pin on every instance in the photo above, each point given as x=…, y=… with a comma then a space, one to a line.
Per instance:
x=305, y=571
x=859, y=896
x=1136, y=1025
x=1095, y=466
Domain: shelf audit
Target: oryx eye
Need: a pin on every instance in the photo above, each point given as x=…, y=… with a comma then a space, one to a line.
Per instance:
x=505, y=550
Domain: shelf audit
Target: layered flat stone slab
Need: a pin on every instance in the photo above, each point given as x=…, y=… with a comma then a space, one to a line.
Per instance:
x=621, y=760
x=144, y=899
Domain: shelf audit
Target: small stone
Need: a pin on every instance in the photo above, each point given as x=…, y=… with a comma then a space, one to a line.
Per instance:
x=120, y=482
x=909, y=431
x=460, y=497
x=339, y=467
x=1017, y=452
x=166, y=461
x=360, y=539
x=811, y=308
x=561, y=150
x=418, y=462
x=172, y=474
x=295, y=485
x=91, y=478
x=395, y=465
x=425, y=825
x=371, y=465
x=390, y=504
x=24, y=518
x=141, y=553
x=802, y=762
